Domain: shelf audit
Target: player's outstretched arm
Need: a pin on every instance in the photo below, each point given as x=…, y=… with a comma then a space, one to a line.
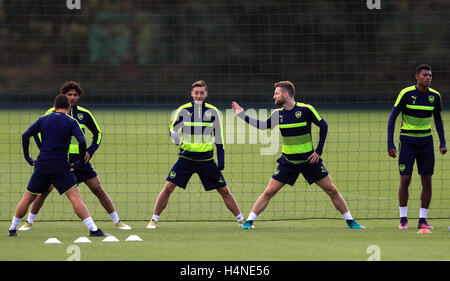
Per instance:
x=263, y=125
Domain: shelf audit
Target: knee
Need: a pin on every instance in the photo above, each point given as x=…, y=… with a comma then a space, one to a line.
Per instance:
x=405, y=181
x=224, y=191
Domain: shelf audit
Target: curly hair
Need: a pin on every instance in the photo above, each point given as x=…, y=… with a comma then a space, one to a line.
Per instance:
x=71, y=85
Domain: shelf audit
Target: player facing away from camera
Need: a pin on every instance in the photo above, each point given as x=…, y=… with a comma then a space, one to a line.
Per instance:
x=83, y=173
x=417, y=104
x=51, y=166
x=298, y=155
x=201, y=127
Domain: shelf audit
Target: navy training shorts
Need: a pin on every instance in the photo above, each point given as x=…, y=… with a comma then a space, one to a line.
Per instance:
x=210, y=175
x=54, y=172
x=288, y=173
x=83, y=173
x=416, y=148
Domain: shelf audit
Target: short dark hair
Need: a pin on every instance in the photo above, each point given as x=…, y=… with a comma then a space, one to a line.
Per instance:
x=62, y=101
x=286, y=86
x=421, y=67
x=71, y=85
x=199, y=83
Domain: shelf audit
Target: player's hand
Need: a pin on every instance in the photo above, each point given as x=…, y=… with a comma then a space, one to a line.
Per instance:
x=31, y=161
x=236, y=108
x=314, y=157
x=392, y=152
x=443, y=150
x=72, y=167
x=87, y=157
x=75, y=165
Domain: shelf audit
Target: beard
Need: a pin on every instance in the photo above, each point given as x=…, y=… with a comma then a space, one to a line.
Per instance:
x=278, y=102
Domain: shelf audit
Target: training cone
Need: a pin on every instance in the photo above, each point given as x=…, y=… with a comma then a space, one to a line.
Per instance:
x=82, y=240
x=424, y=231
x=133, y=238
x=110, y=238
x=52, y=241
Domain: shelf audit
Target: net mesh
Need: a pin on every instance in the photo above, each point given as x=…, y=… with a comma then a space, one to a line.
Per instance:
x=136, y=61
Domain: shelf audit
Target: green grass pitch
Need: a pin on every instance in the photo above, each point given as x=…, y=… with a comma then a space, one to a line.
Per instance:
x=224, y=241
x=299, y=224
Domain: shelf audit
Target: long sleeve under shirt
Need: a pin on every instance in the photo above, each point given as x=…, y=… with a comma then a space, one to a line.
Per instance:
x=56, y=131
x=416, y=108
x=295, y=128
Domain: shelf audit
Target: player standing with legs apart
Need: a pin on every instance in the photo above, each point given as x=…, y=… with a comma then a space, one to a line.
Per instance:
x=298, y=155
x=84, y=173
x=417, y=104
x=52, y=167
x=201, y=126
